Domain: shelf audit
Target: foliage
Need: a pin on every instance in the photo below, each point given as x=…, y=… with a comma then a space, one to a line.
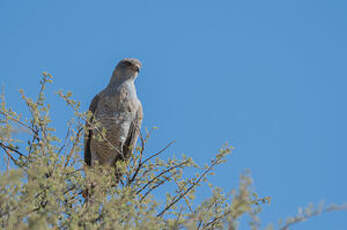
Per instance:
x=45, y=182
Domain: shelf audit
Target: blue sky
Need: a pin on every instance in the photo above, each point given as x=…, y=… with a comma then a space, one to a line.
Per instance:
x=267, y=76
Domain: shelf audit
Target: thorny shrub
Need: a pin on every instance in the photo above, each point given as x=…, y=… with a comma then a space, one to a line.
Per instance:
x=43, y=178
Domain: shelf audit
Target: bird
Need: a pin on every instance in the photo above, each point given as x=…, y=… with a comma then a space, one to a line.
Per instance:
x=118, y=110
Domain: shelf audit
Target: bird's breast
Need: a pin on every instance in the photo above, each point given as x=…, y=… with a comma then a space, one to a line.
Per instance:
x=117, y=106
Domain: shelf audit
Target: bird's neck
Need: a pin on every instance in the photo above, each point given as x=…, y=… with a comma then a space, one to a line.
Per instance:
x=129, y=85
x=118, y=79
x=118, y=82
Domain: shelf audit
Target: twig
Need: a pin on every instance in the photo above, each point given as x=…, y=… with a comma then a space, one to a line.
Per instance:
x=156, y=154
x=19, y=122
x=305, y=216
x=10, y=156
x=65, y=140
x=214, y=220
x=197, y=181
x=78, y=135
x=160, y=174
x=200, y=223
x=71, y=173
x=12, y=149
x=140, y=161
x=185, y=199
x=178, y=217
x=151, y=189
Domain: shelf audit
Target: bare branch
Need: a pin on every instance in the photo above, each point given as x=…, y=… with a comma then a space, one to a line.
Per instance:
x=160, y=174
x=12, y=149
x=139, y=166
x=9, y=155
x=196, y=182
x=19, y=122
x=303, y=217
x=65, y=140
x=153, y=188
x=156, y=154
x=77, y=138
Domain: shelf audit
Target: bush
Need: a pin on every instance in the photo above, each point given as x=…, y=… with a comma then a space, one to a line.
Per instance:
x=45, y=181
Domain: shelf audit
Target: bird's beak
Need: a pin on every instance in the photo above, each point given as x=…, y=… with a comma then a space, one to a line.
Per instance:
x=138, y=68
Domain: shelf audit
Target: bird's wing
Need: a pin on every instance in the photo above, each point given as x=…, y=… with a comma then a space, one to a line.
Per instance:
x=133, y=133
x=88, y=135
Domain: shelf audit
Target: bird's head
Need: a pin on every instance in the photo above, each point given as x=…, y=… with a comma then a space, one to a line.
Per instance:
x=127, y=69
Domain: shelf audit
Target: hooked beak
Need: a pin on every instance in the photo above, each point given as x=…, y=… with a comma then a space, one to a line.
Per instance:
x=137, y=68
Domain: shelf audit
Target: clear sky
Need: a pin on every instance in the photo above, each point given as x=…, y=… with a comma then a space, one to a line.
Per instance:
x=267, y=76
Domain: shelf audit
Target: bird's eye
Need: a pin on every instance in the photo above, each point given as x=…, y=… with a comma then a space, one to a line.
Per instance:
x=127, y=63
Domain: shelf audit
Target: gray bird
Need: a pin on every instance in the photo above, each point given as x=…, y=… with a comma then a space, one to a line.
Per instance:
x=119, y=111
